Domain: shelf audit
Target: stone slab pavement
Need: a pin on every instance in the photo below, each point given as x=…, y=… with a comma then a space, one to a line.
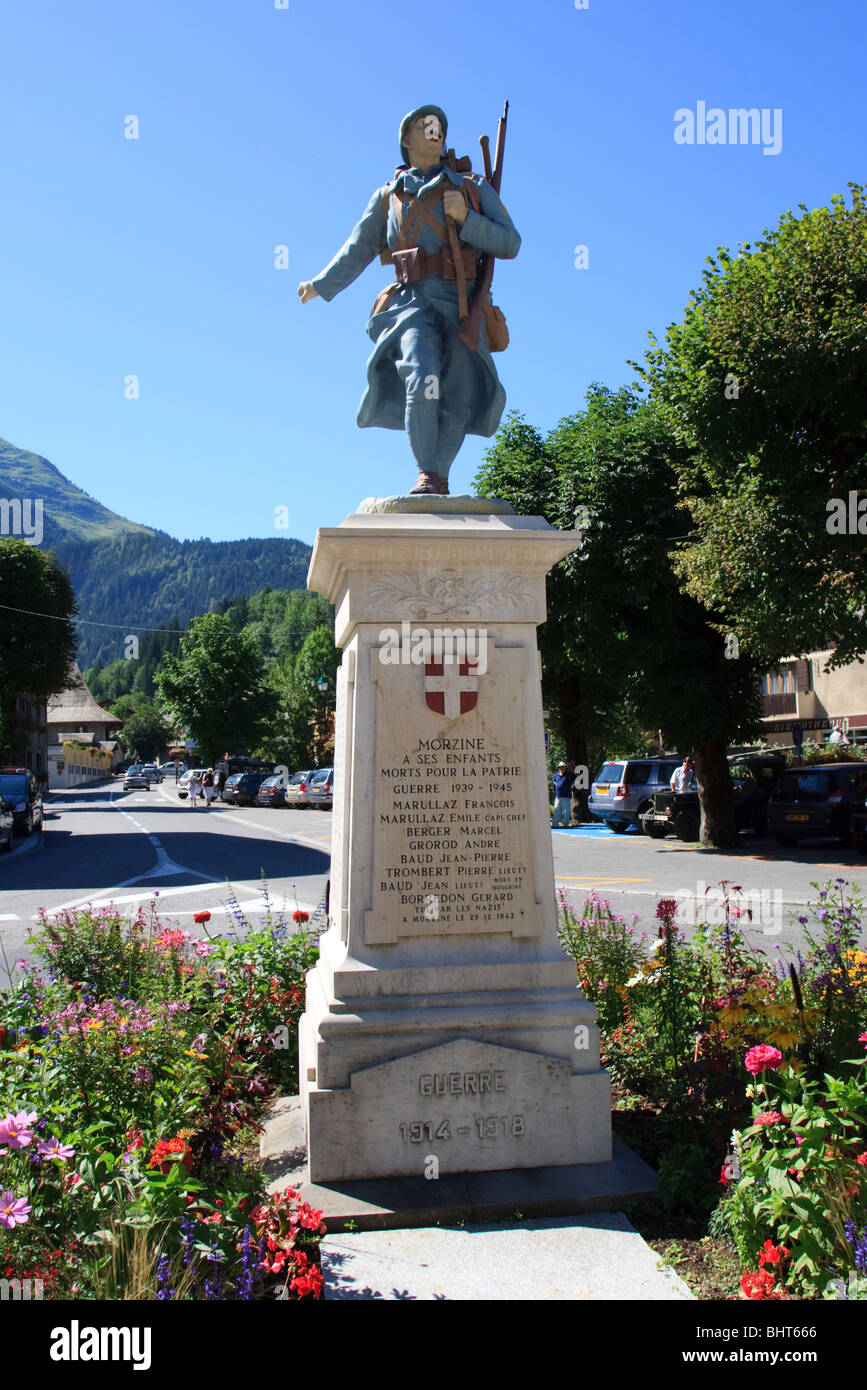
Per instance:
x=598, y=1256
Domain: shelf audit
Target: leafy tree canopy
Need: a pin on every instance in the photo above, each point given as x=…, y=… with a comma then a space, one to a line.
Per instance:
x=764, y=383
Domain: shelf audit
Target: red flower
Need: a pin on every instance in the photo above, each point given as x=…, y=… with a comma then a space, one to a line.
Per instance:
x=771, y=1254
x=162, y=1156
x=769, y=1117
x=300, y=916
x=762, y=1058
x=201, y=916
x=666, y=909
x=757, y=1284
x=862, y=1159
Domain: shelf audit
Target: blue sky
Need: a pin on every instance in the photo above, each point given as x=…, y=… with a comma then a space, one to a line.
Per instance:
x=261, y=127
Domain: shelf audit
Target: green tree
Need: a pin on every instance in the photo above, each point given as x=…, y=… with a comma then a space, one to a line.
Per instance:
x=623, y=647
x=36, y=651
x=217, y=687
x=145, y=734
x=765, y=383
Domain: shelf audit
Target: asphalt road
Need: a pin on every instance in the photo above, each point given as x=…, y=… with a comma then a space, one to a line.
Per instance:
x=105, y=845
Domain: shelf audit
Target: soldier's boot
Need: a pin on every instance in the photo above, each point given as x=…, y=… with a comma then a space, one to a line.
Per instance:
x=431, y=483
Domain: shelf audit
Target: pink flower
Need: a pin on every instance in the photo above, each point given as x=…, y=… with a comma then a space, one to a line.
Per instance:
x=203, y=948
x=862, y=1037
x=14, y=1211
x=768, y=1117
x=761, y=1058
x=17, y=1130
x=862, y=1159
x=54, y=1149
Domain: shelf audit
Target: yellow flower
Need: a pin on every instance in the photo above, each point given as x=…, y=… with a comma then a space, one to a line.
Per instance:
x=93, y=1023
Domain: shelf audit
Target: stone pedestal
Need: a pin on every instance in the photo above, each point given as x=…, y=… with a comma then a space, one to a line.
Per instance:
x=443, y=1032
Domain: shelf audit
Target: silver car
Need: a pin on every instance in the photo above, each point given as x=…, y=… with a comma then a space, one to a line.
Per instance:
x=623, y=790
x=136, y=776
x=320, y=792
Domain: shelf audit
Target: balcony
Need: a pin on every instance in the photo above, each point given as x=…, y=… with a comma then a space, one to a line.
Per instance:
x=781, y=704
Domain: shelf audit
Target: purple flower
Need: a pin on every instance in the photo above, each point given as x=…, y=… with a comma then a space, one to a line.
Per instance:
x=54, y=1149
x=14, y=1211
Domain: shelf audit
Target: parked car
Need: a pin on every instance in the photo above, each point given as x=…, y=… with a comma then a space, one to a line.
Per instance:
x=184, y=780
x=7, y=826
x=272, y=791
x=320, y=790
x=753, y=779
x=22, y=793
x=623, y=791
x=242, y=787
x=817, y=801
x=136, y=776
x=298, y=788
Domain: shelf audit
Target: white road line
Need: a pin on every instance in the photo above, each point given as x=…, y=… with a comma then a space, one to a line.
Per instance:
x=9, y=917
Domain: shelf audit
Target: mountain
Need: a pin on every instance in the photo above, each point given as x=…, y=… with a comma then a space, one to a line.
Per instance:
x=128, y=577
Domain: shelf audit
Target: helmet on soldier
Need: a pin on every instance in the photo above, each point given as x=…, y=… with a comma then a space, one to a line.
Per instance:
x=412, y=116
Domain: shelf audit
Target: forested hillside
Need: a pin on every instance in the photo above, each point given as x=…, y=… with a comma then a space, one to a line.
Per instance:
x=130, y=577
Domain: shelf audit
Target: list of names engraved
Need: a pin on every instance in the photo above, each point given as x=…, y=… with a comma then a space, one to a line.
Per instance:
x=451, y=849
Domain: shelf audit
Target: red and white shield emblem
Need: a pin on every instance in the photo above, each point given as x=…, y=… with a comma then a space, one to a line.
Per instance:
x=450, y=687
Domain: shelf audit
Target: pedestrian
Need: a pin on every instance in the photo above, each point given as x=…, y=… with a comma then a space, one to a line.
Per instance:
x=208, y=788
x=433, y=225
x=564, y=781
x=194, y=787
x=683, y=778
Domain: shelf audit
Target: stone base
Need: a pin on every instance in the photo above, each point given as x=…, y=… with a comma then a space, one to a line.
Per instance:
x=461, y=505
x=378, y=1204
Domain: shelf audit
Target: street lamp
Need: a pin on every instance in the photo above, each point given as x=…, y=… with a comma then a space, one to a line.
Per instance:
x=322, y=685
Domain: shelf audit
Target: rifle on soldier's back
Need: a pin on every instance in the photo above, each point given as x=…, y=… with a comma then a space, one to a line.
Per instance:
x=471, y=325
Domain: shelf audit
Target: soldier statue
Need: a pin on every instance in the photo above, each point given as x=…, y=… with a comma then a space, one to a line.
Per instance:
x=433, y=224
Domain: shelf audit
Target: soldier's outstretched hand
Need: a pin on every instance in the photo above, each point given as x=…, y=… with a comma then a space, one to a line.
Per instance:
x=455, y=206
x=306, y=291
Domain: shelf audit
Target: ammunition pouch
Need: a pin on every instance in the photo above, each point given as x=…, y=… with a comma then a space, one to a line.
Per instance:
x=415, y=264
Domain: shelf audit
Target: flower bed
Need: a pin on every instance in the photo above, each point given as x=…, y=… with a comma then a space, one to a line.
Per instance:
x=134, y=1064
x=752, y=1074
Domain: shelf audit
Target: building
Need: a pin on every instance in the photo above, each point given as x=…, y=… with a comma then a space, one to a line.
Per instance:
x=800, y=691
x=30, y=735
x=81, y=736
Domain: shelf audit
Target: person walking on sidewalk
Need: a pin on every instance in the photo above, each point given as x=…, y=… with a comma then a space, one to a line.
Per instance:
x=564, y=781
x=194, y=788
x=208, y=788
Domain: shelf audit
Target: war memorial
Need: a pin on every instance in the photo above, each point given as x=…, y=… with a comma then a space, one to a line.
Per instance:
x=444, y=1034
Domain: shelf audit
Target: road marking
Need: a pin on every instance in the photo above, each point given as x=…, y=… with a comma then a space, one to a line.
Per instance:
x=9, y=917
x=596, y=878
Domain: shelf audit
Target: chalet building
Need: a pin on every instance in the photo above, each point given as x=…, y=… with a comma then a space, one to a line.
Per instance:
x=802, y=692
x=82, y=742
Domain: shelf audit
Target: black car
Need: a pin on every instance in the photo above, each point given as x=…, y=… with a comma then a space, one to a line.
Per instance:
x=812, y=802
x=6, y=826
x=272, y=792
x=243, y=787
x=753, y=781
x=23, y=796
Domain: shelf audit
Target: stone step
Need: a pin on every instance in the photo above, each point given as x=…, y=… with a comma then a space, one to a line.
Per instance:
x=598, y=1257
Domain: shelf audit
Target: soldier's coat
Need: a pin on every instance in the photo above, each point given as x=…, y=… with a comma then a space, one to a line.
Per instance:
x=491, y=230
